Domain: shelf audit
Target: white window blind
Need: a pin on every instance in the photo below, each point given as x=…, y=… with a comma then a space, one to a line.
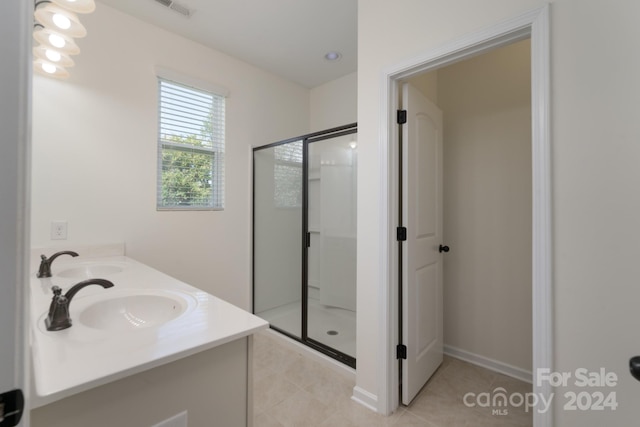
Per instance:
x=288, y=175
x=190, y=147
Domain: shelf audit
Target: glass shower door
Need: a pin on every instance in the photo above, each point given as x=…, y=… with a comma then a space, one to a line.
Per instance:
x=278, y=236
x=304, y=239
x=331, y=255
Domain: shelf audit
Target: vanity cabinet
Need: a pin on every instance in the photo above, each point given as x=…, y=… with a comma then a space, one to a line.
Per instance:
x=140, y=353
x=213, y=386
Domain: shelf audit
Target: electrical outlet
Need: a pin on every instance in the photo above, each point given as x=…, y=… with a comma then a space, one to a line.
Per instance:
x=58, y=230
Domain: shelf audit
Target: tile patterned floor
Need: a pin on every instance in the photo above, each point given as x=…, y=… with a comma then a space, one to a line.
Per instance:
x=292, y=390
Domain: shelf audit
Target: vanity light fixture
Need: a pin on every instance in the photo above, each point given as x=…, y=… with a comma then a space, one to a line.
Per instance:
x=56, y=41
x=49, y=69
x=54, y=56
x=59, y=19
x=56, y=26
x=77, y=6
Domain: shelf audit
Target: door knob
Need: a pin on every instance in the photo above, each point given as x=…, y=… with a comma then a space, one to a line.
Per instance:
x=443, y=248
x=634, y=367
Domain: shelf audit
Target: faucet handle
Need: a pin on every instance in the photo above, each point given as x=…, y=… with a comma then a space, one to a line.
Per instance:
x=58, y=317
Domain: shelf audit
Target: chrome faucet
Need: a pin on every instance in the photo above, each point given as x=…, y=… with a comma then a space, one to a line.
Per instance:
x=59, y=318
x=45, y=264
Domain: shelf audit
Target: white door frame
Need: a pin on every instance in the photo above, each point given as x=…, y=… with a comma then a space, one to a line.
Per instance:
x=16, y=19
x=534, y=25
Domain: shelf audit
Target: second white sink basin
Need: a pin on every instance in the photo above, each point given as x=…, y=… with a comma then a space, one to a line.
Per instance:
x=126, y=312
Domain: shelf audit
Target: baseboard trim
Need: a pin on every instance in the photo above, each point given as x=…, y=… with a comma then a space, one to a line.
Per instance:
x=492, y=364
x=366, y=399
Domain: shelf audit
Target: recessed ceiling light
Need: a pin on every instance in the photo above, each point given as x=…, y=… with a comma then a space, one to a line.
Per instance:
x=332, y=56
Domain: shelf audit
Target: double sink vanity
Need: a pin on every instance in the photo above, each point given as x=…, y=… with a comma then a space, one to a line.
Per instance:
x=148, y=351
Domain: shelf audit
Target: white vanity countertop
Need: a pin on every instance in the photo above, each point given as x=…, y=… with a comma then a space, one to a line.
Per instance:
x=82, y=357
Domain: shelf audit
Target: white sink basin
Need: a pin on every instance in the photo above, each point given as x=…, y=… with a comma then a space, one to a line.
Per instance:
x=127, y=312
x=90, y=271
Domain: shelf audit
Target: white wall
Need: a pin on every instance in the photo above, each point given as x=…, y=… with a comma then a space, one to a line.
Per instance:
x=486, y=101
x=427, y=84
x=94, y=151
x=334, y=104
x=595, y=172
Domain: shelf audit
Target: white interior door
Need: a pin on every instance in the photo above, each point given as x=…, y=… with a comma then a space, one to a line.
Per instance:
x=422, y=302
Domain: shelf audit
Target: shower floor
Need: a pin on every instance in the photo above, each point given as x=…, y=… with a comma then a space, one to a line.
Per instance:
x=332, y=326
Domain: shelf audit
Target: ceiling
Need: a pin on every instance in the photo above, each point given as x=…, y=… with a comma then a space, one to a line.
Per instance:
x=286, y=37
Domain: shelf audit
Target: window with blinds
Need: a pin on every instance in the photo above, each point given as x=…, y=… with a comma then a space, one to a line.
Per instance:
x=190, y=148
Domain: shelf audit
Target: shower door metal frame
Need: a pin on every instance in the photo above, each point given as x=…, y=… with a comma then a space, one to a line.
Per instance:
x=306, y=140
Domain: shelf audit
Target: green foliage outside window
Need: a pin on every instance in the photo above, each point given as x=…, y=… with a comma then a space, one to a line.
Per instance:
x=186, y=174
x=191, y=148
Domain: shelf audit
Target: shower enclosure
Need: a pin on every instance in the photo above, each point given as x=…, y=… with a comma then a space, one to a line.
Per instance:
x=304, y=239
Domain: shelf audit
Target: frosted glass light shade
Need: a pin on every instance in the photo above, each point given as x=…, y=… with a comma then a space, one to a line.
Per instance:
x=60, y=20
x=56, y=41
x=77, y=6
x=53, y=55
x=49, y=69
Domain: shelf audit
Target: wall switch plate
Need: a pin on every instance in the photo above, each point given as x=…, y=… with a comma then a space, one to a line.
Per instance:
x=58, y=230
x=179, y=420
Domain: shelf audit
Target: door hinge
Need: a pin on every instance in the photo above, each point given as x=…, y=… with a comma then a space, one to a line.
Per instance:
x=308, y=242
x=402, y=117
x=402, y=234
x=11, y=408
x=401, y=351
